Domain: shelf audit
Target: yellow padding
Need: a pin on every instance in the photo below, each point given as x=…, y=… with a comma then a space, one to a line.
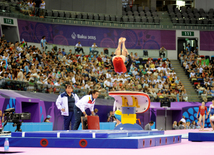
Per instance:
x=118, y=112
x=124, y=101
x=131, y=118
x=135, y=102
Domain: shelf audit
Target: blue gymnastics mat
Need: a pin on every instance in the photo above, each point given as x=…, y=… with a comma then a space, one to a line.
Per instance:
x=120, y=142
x=88, y=133
x=201, y=136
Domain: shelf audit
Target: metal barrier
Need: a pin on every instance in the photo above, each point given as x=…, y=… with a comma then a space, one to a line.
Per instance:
x=51, y=89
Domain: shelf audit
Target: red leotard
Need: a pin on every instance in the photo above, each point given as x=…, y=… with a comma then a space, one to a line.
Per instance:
x=202, y=110
x=119, y=66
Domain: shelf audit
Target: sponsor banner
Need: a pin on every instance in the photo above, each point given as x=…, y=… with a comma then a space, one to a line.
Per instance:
x=103, y=37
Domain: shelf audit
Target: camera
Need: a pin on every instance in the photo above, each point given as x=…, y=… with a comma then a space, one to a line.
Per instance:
x=16, y=118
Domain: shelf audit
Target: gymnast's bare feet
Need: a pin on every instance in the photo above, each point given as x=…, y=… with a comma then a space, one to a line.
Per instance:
x=124, y=39
x=120, y=40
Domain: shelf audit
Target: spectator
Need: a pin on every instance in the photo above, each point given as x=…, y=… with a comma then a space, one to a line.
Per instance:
x=30, y=7
x=63, y=52
x=20, y=75
x=188, y=48
x=175, y=125
x=94, y=49
x=42, y=9
x=47, y=119
x=136, y=57
x=162, y=52
x=78, y=48
x=37, y=7
x=193, y=125
x=95, y=112
x=110, y=117
x=188, y=125
x=204, y=96
x=184, y=94
x=43, y=43
x=181, y=125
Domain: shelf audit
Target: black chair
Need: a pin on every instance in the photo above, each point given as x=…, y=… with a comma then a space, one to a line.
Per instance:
x=106, y=51
x=162, y=53
x=145, y=53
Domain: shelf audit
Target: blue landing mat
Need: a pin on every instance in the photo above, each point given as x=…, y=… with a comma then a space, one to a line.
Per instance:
x=88, y=134
x=122, y=142
x=201, y=136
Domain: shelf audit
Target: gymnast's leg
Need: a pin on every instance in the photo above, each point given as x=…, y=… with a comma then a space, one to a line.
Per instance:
x=211, y=123
x=200, y=117
x=124, y=50
x=126, y=53
x=203, y=117
x=118, y=50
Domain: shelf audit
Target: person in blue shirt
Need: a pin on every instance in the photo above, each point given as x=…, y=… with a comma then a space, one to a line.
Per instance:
x=188, y=48
x=43, y=43
x=65, y=103
x=63, y=51
x=26, y=68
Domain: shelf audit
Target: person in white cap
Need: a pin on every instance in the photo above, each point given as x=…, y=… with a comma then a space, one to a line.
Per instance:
x=47, y=119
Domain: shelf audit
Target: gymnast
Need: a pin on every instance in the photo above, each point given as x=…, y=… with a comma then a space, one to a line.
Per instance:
x=211, y=112
x=202, y=110
x=119, y=60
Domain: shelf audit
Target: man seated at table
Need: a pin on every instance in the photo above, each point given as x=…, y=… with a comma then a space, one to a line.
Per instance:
x=148, y=126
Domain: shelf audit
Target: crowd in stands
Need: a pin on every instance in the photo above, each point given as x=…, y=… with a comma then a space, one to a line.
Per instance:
x=200, y=70
x=181, y=125
x=33, y=7
x=34, y=67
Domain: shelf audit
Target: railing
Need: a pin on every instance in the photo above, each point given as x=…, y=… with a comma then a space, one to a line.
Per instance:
x=107, y=24
x=51, y=89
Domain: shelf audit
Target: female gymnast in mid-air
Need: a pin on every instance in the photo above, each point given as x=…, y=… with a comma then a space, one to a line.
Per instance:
x=202, y=110
x=119, y=60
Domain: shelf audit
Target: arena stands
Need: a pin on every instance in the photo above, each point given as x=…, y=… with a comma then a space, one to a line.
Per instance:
x=26, y=68
x=190, y=16
x=130, y=15
x=199, y=69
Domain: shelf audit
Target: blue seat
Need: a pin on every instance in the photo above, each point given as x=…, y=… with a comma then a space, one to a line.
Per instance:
x=164, y=59
x=137, y=62
x=212, y=56
x=155, y=59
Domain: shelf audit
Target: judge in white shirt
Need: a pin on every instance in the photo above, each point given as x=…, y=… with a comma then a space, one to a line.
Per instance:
x=87, y=101
x=78, y=48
